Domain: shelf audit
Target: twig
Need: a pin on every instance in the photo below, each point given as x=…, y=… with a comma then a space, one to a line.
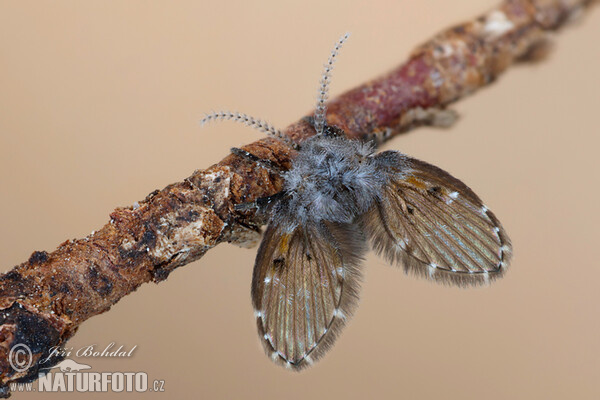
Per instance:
x=46, y=298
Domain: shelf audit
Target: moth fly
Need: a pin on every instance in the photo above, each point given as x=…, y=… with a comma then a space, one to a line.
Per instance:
x=339, y=197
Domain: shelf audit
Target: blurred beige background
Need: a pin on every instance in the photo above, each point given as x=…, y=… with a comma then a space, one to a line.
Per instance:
x=99, y=105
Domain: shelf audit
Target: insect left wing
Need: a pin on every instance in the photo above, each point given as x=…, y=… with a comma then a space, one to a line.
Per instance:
x=304, y=286
x=435, y=225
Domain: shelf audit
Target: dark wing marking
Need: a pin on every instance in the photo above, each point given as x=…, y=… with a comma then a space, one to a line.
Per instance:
x=305, y=285
x=436, y=226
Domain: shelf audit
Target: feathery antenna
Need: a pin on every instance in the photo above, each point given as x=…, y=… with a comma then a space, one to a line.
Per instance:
x=247, y=120
x=321, y=108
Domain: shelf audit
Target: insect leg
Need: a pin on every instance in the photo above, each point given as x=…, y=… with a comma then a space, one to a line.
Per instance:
x=260, y=204
x=268, y=164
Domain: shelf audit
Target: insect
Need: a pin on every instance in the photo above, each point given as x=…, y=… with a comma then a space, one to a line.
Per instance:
x=339, y=196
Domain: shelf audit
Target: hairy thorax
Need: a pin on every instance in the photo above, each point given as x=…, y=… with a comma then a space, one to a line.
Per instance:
x=332, y=179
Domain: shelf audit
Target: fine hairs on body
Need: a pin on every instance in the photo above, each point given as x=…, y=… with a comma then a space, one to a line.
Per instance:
x=339, y=196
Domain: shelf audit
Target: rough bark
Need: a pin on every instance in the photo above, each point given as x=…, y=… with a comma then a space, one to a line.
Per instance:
x=46, y=298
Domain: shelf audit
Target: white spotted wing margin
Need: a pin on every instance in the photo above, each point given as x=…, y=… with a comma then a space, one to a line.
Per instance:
x=435, y=226
x=304, y=287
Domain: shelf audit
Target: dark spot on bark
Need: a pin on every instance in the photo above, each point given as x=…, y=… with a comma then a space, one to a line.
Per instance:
x=59, y=288
x=162, y=270
x=36, y=333
x=151, y=195
x=148, y=238
x=38, y=257
x=15, y=284
x=190, y=216
x=12, y=276
x=125, y=254
x=410, y=210
x=159, y=274
x=100, y=283
x=308, y=257
x=218, y=179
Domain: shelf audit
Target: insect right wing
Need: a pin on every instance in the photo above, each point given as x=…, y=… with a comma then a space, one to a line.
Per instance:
x=304, y=287
x=435, y=225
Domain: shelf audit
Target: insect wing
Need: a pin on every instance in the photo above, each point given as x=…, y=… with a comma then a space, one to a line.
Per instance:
x=435, y=225
x=305, y=285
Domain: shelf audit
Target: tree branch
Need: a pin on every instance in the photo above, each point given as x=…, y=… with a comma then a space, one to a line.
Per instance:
x=46, y=298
